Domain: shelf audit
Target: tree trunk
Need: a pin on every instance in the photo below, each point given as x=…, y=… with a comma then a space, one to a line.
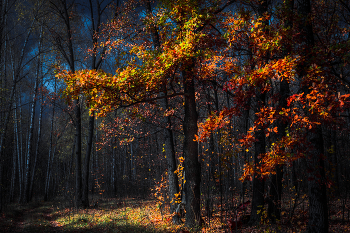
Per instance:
x=28, y=159
x=78, y=173
x=275, y=194
x=94, y=65
x=335, y=160
x=47, y=180
x=4, y=118
x=190, y=150
x=28, y=163
x=258, y=181
x=77, y=108
x=3, y=130
x=18, y=152
x=16, y=74
x=318, y=207
x=14, y=169
x=171, y=162
x=169, y=140
x=37, y=83
x=260, y=144
x=36, y=151
x=87, y=161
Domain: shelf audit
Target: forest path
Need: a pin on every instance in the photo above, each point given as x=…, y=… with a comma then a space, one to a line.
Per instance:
x=32, y=218
x=110, y=216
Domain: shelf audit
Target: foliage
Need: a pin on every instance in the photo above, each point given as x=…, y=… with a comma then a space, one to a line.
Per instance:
x=319, y=104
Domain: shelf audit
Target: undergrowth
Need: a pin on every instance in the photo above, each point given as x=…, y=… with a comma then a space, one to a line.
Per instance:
x=132, y=215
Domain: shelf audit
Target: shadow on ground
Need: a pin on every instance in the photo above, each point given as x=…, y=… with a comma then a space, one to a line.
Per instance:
x=39, y=229
x=42, y=218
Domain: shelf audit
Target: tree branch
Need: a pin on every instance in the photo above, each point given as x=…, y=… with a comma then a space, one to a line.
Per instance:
x=152, y=99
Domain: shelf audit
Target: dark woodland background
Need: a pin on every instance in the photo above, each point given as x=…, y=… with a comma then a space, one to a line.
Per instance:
x=51, y=149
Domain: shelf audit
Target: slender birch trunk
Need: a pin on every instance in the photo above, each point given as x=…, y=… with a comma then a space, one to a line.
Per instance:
x=48, y=169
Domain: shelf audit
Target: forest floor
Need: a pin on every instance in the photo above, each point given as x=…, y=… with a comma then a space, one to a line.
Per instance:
x=132, y=215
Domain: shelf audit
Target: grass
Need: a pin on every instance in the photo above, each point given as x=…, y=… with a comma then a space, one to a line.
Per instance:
x=132, y=215
x=131, y=218
x=109, y=216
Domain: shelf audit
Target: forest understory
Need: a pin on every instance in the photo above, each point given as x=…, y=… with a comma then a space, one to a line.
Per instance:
x=137, y=215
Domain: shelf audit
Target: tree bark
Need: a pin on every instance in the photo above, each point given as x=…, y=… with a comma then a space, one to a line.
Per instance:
x=4, y=118
x=28, y=163
x=14, y=167
x=95, y=27
x=78, y=173
x=318, y=207
x=171, y=162
x=37, y=84
x=260, y=144
x=192, y=166
x=15, y=76
x=275, y=194
x=28, y=159
x=18, y=152
x=173, y=181
x=258, y=181
x=47, y=180
x=36, y=154
x=77, y=108
x=87, y=161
